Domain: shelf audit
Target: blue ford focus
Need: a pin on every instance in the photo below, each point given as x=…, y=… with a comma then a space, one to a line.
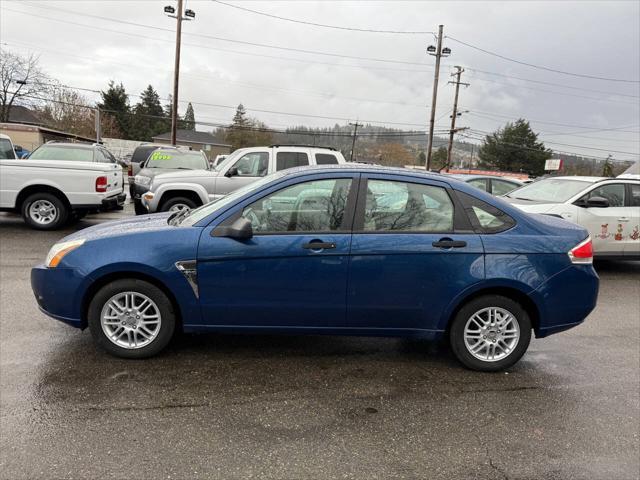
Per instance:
x=353, y=249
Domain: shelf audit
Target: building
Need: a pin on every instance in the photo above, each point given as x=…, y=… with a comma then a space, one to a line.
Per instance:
x=30, y=137
x=202, y=141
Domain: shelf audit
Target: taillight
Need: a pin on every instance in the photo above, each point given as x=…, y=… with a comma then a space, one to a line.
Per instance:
x=582, y=253
x=130, y=170
x=101, y=184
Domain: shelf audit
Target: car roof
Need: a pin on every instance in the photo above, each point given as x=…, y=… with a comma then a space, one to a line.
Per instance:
x=70, y=144
x=580, y=179
x=368, y=168
x=469, y=176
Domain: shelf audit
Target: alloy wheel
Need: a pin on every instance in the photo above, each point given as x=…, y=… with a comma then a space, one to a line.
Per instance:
x=131, y=320
x=491, y=334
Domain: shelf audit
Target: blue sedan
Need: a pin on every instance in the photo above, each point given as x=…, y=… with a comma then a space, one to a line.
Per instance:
x=343, y=250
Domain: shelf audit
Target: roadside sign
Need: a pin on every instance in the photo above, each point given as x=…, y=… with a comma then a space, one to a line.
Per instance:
x=553, y=164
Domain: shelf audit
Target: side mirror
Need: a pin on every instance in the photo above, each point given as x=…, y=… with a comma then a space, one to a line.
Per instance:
x=597, y=202
x=241, y=229
x=232, y=172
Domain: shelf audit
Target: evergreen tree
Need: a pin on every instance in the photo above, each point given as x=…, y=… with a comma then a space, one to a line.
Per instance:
x=439, y=159
x=189, y=122
x=239, y=134
x=607, y=168
x=115, y=103
x=148, y=116
x=514, y=148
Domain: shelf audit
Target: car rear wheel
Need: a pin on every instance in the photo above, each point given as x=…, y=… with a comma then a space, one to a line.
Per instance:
x=177, y=204
x=490, y=333
x=44, y=211
x=131, y=318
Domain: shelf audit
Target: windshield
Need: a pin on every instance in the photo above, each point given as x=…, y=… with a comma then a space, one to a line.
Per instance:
x=552, y=190
x=63, y=152
x=177, y=159
x=6, y=152
x=194, y=216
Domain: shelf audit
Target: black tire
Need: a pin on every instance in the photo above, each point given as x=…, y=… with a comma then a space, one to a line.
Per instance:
x=139, y=208
x=172, y=202
x=456, y=333
x=165, y=308
x=61, y=212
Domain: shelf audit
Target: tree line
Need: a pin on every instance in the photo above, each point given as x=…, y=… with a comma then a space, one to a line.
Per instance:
x=512, y=148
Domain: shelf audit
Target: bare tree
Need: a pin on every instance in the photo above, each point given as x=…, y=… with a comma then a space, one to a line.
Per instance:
x=21, y=79
x=68, y=111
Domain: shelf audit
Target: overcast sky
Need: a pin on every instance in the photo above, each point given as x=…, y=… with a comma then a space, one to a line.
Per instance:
x=598, y=39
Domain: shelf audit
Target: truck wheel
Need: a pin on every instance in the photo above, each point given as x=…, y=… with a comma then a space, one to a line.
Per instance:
x=139, y=208
x=44, y=211
x=177, y=204
x=490, y=333
x=131, y=318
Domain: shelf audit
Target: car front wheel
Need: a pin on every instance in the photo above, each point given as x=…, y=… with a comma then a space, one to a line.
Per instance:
x=131, y=318
x=177, y=204
x=490, y=333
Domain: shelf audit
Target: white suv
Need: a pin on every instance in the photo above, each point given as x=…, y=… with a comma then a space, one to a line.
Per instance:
x=609, y=208
x=192, y=188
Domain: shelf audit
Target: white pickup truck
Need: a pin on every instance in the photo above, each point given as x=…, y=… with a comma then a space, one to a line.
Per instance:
x=49, y=192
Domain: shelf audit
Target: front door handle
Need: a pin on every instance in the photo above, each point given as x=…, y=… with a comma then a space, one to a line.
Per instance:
x=316, y=245
x=623, y=219
x=448, y=243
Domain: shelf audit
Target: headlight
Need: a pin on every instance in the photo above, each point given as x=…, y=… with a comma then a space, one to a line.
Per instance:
x=142, y=180
x=59, y=250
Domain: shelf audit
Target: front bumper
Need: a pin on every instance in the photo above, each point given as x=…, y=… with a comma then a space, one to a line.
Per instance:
x=56, y=291
x=138, y=191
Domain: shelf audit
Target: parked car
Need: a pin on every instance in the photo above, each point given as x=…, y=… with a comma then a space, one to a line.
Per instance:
x=59, y=183
x=164, y=160
x=138, y=157
x=609, y=208
x=7, y=150
x=218, y=160
x=185, y=190
x=319, y=250
x=490, y=183
x=20, y=151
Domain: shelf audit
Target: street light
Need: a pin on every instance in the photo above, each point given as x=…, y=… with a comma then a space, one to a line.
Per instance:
x=169, y=9
x=189, y=13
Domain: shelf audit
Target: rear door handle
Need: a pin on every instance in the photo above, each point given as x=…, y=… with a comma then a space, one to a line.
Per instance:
x=623, y=219
x=318, y=245
x=448, y=243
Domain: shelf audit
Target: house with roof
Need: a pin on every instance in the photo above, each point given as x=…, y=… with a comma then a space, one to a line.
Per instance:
x=201, y=141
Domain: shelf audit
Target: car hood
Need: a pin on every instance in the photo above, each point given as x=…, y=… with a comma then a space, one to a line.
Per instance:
x=154, y=172
x=185, y=175
x=531, y=206
x=139, y=224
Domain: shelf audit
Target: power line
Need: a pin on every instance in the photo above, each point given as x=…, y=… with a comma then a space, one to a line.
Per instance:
x=540, y=67
x=281, y=48
x=202, y=35
x=323, y=25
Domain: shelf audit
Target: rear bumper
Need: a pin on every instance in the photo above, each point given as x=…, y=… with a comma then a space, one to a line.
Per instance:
x=56, y=291
x=113, y=203
x=566, y=299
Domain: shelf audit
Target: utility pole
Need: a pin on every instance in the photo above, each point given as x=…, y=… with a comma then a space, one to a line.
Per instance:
x=188, y=15
x=98, y=126
x=439, y=53
x=355, y=134
x=455, y=114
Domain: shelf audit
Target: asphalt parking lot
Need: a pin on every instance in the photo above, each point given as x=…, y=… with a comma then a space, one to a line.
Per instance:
x=222, y=406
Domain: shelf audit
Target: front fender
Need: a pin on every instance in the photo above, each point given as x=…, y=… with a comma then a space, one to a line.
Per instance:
x=165, y=188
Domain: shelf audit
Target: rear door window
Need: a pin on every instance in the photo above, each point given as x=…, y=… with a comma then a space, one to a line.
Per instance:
x=634, y=201
x=326, y=159
x=407, y=207
x=480, y=183
x=286, y=160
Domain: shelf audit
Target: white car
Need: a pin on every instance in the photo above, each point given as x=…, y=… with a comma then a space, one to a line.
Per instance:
x=609, y=208
x=60, y=182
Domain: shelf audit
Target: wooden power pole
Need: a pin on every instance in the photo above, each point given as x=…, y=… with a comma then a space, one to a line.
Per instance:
x=434, y=94
x=176, y=75
x=453, y=130
x=355, y=134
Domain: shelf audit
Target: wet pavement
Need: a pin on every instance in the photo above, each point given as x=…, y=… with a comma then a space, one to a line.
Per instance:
x=230, y=406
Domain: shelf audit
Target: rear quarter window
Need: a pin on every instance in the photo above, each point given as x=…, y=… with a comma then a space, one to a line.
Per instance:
x=485, y=218
x=326, y=159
